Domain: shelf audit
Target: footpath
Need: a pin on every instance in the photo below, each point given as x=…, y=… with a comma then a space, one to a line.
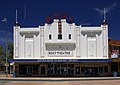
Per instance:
x=11, y=78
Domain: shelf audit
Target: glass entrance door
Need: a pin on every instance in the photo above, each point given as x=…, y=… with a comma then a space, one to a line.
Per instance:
x=64, y=69
x=60, y=70
x=29, y=70
x=57, y=69
x=87, y=71
x=77, y=70
x=50, y=70
x=43, y=70
x=70, y=69
x=96, y=71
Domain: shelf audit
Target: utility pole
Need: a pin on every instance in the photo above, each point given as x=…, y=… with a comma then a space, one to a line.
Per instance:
x=5, y=21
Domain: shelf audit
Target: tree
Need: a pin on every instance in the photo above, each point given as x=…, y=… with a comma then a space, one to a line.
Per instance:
x=10, y=50
x=3, y=53
x=1, y=49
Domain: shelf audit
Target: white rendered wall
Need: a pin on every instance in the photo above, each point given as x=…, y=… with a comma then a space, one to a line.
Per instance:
x=100, y=38
x=59, y=45
x=85, y=42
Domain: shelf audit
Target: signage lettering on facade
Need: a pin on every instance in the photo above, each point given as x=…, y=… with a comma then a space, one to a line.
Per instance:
x=73, y=60
x=58, y=60
x=60, y=53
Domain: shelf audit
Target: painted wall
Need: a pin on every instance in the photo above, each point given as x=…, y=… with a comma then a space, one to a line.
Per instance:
x=77, y=41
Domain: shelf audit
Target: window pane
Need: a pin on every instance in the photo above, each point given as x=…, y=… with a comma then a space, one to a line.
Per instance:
x=50, y=37
x=105, y=68
x=69, y=36
x=59, y=36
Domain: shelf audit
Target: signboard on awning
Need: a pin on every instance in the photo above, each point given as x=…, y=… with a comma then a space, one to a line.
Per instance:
x=60, y=60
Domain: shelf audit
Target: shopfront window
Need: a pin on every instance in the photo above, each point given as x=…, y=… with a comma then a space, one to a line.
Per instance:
x=114, y=67
x=22, y=69
x=101, y=69
x=35, y=69
x=105, y=68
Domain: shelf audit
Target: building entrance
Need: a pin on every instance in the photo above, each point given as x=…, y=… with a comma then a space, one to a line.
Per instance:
x=77, y=70
x=43, y=70
x=88, y=71
x=60, y=69
x=29, y=70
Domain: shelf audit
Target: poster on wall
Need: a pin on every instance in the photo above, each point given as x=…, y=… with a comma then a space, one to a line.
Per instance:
x=115, y=53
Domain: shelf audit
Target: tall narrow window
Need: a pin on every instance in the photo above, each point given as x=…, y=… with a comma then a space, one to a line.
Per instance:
x=60, y=36
x=59, y=27
x=59, y=30
x=69, y=36
x=50, y=36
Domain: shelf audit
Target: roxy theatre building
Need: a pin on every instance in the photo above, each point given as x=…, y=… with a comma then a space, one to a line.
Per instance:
x=61, y=49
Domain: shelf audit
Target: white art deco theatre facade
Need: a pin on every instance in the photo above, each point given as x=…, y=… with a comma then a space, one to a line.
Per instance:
x=61, y=49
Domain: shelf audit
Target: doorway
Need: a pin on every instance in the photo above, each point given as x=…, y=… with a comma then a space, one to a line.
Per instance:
x=87, y=71
x=60, y=70
x=29, y=70
x=77, y=70
x=43, y=70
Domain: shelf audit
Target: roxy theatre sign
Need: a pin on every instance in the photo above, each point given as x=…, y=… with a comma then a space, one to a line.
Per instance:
x=60, y=53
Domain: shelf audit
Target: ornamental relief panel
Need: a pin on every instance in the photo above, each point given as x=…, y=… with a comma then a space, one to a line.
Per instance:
x=91, y=33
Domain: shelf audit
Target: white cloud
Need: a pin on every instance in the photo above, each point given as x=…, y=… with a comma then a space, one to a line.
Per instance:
x=111, y=7
x=99, y=10
x=107, y=9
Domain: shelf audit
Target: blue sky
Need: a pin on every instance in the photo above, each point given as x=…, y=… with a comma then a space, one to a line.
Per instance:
x=34, y=12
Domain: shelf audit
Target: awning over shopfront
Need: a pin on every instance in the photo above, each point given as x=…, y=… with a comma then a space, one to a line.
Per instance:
x=60, y=60
x=115, y=59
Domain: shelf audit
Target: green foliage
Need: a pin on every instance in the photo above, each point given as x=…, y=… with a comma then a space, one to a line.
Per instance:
x=10, y=50
x=3, y=53
x=1, y=49
x=2, y=56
